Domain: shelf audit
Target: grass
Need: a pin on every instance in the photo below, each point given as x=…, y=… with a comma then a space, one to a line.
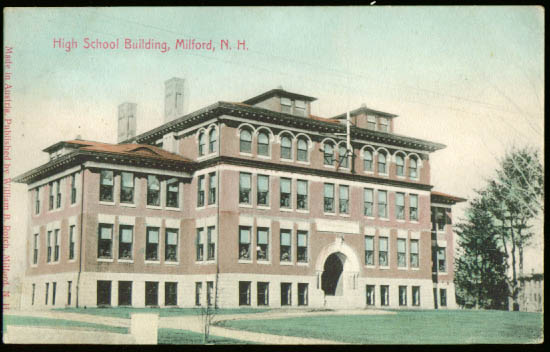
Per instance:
x=408, y=327
x=124, y=312
x=57, y=323
x=185, y=337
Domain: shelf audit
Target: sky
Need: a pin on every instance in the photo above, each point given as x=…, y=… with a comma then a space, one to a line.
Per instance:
x=471, y=78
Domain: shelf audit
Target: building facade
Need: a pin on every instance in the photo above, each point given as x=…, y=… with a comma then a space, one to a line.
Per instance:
x=256, y=204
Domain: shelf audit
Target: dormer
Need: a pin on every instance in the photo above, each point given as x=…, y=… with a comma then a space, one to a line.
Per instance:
x=280, y=100
x=61, y=148
x=369, y=119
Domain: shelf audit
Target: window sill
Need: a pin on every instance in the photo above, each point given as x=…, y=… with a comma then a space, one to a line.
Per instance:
x=245, y=261
x=105, y=260
x=73, y=205
x=302, y=263
x=206, y=156
x=384, y=219
x=285, y=209
x=287, y=160
x=156, y=207
x=130, y=261
x=129, y=205
x=245, y=154
x=286, y=263
x=152, y=261
x=368, y=172
x=331, y=214
x=385, y=267
x=413, y=221
x=172, y=209
x=346, y=215
x=303, y=162
x=200, y=208
x=369, y=266
x=213, y=205
x=242, y=205
x=263, y=262
x=369, y=217
x=171, y=263
x=263, y=207
x=402, y=268
x=266, y=157
x=205, y=262
x=106, y=203
x=415, y=269
x=329, y=166
x=303, y=211
x=400, y=220
x=383, y=174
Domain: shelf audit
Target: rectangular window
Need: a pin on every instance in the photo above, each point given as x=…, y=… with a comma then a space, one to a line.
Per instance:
x=413, y=207
x=51, y=198
x=401, y=252
x=416, y=296
x=286, y=246
x=344, y=199
x=200, y=191
x=71, y=241
x=125, y=293
x=170, y=293
x=244, y=242
x=369, y=250
x=263, y=190
x=369, y=201
x=402, y=295
x=441, y=260
x=212, y=188
x=209, y=292
x=370, y=295
x=443, y=297
x=299, y=108
x=35, y=248
x=153, y=190
x=414, y=254
x=383, y=251
x=151, y=293
x=172, y=193
x=198, y=293
x=301, y=196
x=56, y=246
x=286, y=293
x=302, y=247
x=263, y=293
x=49, y=244
x=438, y=219
x=199, y=243
x=127, y=188
x=302, y=294
x=400, y=206
x=329, y=198
x=106, y=186
x=69, y=292
x=286, y=105
x=383, y=124
x=285, y=192
x=37, y=200
x=244, y=188
x=211, y=243
x=244, y=293
x=171, y=245
x=73, y=188
x=105, y=241
x=54, y=291
x=103, y=293
x=384, y=295
x=33, y=294
x=47, y=292
x=371, y=122
x=152, y=244
x=382, y=204
x=262, y=241
x=126, y=240
x=58, y=194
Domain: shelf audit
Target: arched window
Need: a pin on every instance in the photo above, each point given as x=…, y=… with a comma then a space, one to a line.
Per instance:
x=212, y=139
x=367, y=160
x=302, y=149
x=342, y=154
x=400, y=165
x=202, y=143
x=246, y=141
x=286, y=148
x=328, y=151
x=382, y=163
x=413, y=168
x=263, y=144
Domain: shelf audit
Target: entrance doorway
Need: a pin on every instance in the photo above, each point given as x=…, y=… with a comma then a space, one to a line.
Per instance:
x=331, y=279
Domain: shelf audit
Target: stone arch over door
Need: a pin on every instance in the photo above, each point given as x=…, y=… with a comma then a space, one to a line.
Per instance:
x=337, y=268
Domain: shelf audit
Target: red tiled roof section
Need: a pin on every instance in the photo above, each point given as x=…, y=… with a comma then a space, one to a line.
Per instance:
x=318, y=118
x=448, y=196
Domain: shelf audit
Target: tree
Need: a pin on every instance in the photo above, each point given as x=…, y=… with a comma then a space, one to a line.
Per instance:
x=480, y=274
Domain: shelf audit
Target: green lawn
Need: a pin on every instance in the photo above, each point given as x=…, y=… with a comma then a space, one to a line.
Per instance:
x=57, y=323
x=408, y=327
x=185, y=337
x=124, y=312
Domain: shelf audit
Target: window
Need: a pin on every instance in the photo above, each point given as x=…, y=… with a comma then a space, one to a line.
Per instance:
x=153, y=190
x=199, y=244
x=35, y=249
x=244, y=293
x=443, y=297
x=382, y=163
x=285, y=192
x=286, y=293
x=413, y=207
x=369, y=202
x=50, y=205
x=286, y=105
x=47, y=292
x=441, y=260
x=58, y=194
x=37, y=201
x=202, y=143
x=370, y=295
x=212, y=188
x=245, y=141
x=172, y=193
x=103, y=293
x=344, y=199
x=400, y=165
x=125, y=293
x=383, y=124
x=170, y=293
x=286, y=246
x=200, y=191
x=244, y=242
x=369, y=250
x=400, y=206
x=302, y=149
x=416, y=295
x=414, y=254
x=210, y=243
x=300, y=107
x=383, y=251
x=212, y=141
x=302, y=294
x=56, y=246
x=401, y=252
x=262, y=240
x=151, y=293
x=438, y=218
x=105, y=242
x=413, y=168
x=33, y=294
x=384, y=295
x=382, y=204
x=209, y=292
x=49, y=244
x=263, y=144
x=301, y=196
x=263, y=190
x=328, y=154
x=73, y=188
x=106, y=186
x=54, y=291
x=371, y=122
x=263, y=293
x=367, y=160
x=244, y=188
x=302, y=247
x=152, y=245
x=171, y=245
x=329, y=198
x=344, y=159
x=69, y=292
x=198, y=293
x=127, y=190
x=71, y=242
x=402, y=295
x=126, y=235
x=286, y=148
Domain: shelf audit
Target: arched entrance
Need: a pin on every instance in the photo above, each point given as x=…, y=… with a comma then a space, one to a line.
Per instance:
x=332, y=281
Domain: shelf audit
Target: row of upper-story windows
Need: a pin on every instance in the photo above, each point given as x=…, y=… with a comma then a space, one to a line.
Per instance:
x=261, y=242
x=55, y=194
x=53, y=241
x=201, y=189
x=212, y=137
x=383, y=252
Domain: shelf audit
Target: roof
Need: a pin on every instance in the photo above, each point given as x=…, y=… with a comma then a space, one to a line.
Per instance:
x=445, y=198
x=365, y=110
x=277, y=92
